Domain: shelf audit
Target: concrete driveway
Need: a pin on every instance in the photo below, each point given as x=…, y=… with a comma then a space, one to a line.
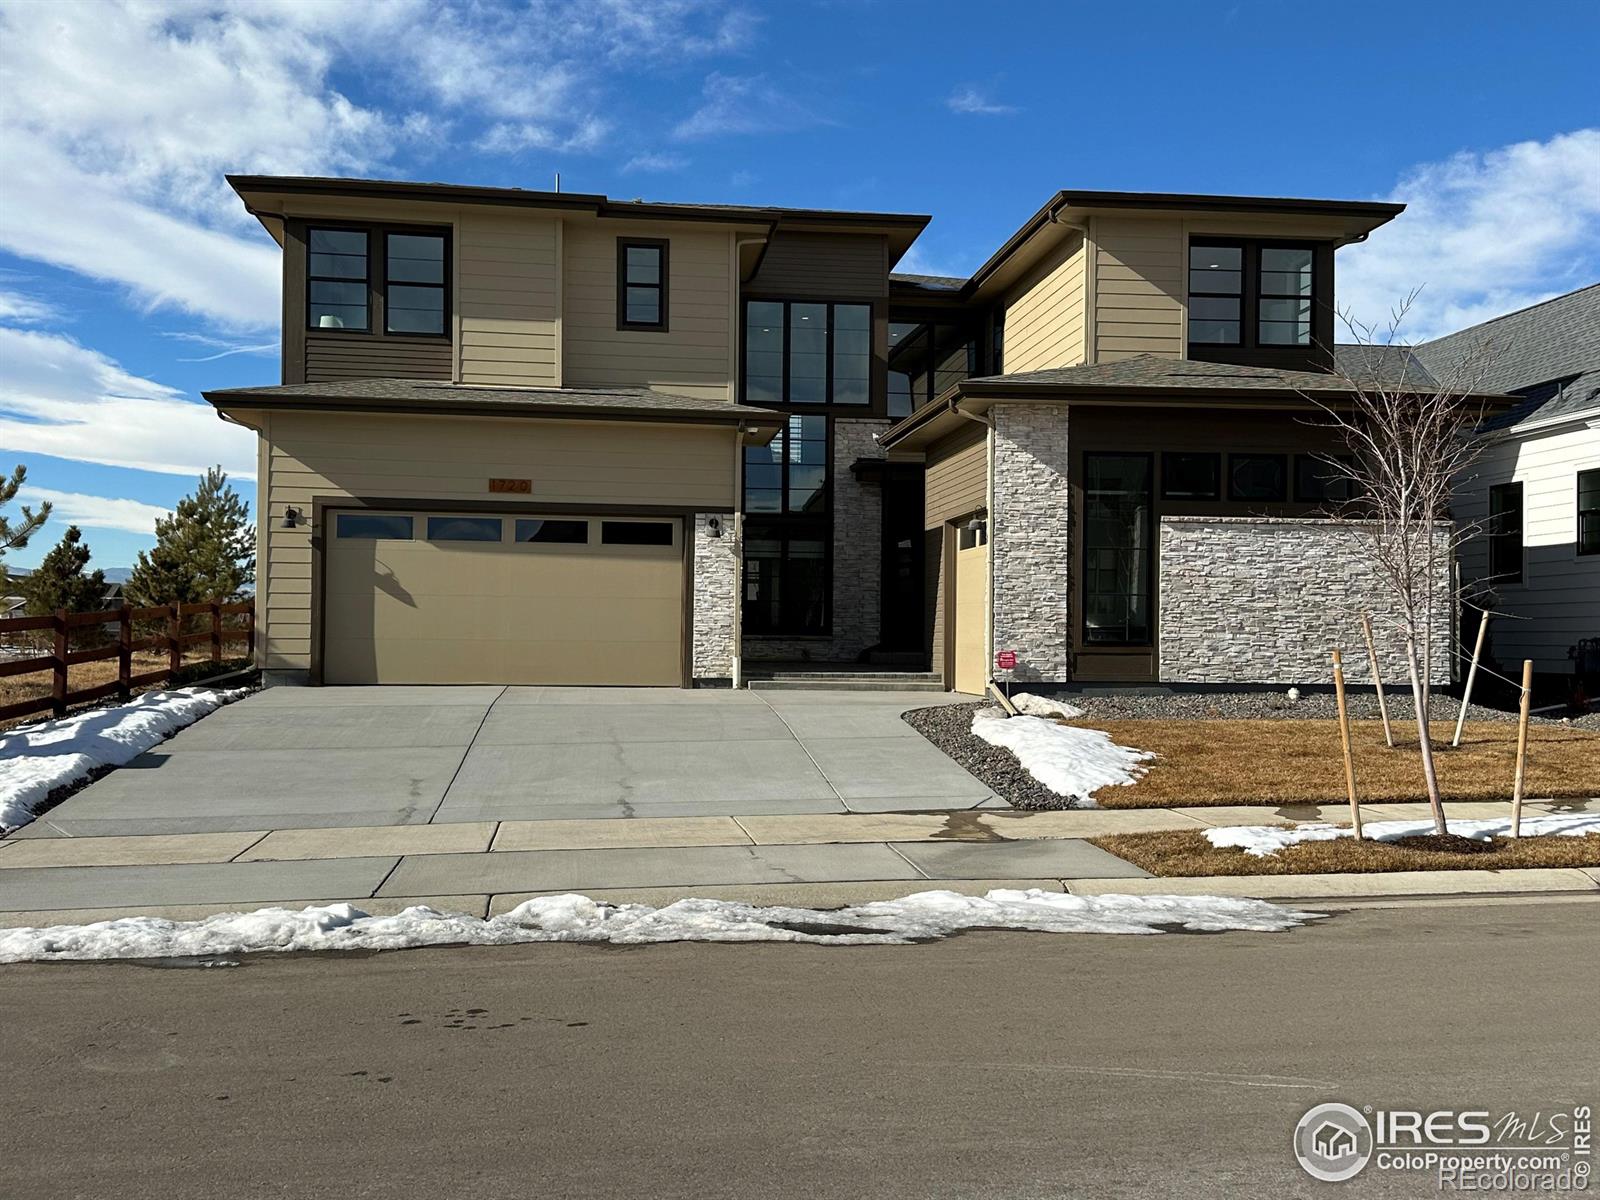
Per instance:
x=325, y=757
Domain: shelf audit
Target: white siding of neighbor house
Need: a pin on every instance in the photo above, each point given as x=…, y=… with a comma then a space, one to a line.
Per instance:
x=1560, y=591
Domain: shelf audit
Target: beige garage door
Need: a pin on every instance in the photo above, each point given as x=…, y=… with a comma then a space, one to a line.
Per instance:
x=971, y=601
x=441, y=597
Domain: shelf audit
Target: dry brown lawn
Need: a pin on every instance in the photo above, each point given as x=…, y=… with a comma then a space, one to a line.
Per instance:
x=1299, y=762
x=1188, y=853
x=197, y=661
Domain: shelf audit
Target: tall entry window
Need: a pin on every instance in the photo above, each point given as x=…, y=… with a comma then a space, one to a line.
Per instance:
x=1117, y=549
x=805, y=352
x=787, y=531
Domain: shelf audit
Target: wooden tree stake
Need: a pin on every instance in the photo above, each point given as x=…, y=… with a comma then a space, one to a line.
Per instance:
x=1472, y=673
x=1344, y=736
x=1522, y=748
x=1377, y=680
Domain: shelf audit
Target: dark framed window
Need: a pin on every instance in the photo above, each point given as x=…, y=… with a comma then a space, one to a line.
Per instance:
x=337, y=279
x=567, y=533
x=1505, y=532
x=1216, y=293
x=385, y=526
x=642, y=284
x=414, y=283
x=788, y=545
x=1191, y=476
x=1589, y=512
x=1118, y=549
x=1284, y=291
x=807, y=352
x=464, y=529
x=1258, y=477
x=636, y=533
x=925, y=359
x=1323, y=478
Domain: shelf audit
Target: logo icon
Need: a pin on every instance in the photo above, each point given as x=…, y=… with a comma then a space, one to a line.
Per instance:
x=1333, y=1142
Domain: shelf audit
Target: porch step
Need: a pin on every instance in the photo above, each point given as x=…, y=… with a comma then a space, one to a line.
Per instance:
x=847, y=681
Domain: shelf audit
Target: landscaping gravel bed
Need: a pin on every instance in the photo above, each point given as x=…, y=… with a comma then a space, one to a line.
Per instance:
x=949, y=727
x=1255, y=706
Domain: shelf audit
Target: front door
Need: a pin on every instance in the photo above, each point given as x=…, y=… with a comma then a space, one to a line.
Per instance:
x=903, y=577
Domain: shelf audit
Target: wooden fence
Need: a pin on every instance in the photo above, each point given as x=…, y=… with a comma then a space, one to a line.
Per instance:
x=174, y=641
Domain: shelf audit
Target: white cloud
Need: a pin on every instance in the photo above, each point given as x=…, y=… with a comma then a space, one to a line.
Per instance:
x=516, y=137
x=95, y=512
x=63, y=399
x=223, y=347
x=19, y=308
x=972, y=102
x=650, y=161
x=1483, y=234
x=745, y=104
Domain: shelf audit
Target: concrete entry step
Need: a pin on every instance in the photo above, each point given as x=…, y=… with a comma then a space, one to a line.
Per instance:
x=852, y=682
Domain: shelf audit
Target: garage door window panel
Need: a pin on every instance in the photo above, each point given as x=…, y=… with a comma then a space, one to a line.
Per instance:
x=464, y=529
x=374, y=526
x=636, y=533
x=538, y=531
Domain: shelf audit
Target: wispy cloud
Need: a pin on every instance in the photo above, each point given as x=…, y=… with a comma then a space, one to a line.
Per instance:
x=19, y=308
x=65, y=400
x=95, y=512
x=654, y=162
x=224, y=347
x=1484, y=233
x=973, y=102
x=735, y=104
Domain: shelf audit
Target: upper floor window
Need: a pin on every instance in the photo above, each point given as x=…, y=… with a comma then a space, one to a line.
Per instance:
x=1505, y=532
x=413, y=283
x=1251, y=293
x=1589, y=512
x=641, y=284
x=925, y=359
x=804, y=352
x=336, y=279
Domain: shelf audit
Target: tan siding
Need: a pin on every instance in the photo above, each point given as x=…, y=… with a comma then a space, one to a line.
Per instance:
x=443, y=459
x=1044, y=314
x=507, y=299
x=827, y=265
x=957, y=477
x=1139, y=287
x=693, y=357
x=332, y=357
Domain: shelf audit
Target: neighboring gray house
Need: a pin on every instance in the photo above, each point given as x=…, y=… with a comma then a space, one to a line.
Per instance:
x=1537, y=487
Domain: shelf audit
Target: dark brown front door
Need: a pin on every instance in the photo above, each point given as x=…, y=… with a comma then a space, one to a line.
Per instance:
x=903, y=582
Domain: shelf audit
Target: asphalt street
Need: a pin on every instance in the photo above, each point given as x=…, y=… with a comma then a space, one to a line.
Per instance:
x=989, y=1065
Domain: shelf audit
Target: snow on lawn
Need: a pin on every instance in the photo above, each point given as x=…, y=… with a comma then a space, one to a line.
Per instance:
x=37, y=759
x=1067, y=759
x=1264, y=840
x=571, y=918
x=1039, y=706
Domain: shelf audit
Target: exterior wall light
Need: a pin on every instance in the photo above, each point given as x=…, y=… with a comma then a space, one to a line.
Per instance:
x=714, y=527
x=291, y=517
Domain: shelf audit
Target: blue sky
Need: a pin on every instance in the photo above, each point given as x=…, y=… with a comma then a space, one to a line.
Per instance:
x=130, y=277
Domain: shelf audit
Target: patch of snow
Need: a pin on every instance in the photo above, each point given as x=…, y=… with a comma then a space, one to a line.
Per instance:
x=573, y=918
x=1069, y=760
x=1264, y=840
x=1041, y=706
x=37, y=759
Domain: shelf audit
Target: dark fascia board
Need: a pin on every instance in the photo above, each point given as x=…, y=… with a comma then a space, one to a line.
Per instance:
x=243, y=398
x=1382, y=212
x=454, y=193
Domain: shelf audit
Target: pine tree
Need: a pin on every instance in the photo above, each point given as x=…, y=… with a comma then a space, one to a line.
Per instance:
x=205, y=549
x=15, y=537
x=60, y=582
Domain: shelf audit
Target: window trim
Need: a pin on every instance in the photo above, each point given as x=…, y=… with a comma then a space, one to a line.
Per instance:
x=1496, y=535
x=365, y=280
x=445, y=270
x=1594, y=513
x=1283, y=495
x=662, y=288
x=876, y=395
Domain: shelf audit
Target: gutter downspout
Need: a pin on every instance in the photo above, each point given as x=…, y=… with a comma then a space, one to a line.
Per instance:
x=987, y=421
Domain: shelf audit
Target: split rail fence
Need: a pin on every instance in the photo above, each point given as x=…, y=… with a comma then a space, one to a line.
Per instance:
x=168, y=619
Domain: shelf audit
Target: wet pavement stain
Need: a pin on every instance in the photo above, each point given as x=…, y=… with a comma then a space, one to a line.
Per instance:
x=967, y=825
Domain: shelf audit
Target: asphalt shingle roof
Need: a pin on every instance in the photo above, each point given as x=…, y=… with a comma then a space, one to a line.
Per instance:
x=1146, y=371
x=1382, y=366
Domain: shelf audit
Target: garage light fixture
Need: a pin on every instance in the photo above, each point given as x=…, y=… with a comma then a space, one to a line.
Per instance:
x=291, y=517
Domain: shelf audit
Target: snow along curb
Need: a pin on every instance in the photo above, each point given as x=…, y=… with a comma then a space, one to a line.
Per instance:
x=1261, y=841
x=1068, y=759
x=37, y=759
x=572, y=918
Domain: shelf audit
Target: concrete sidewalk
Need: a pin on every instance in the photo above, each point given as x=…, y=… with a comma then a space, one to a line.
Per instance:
x=816, y=860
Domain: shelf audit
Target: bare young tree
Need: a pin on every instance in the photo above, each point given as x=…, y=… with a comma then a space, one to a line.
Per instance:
x=1411, y=442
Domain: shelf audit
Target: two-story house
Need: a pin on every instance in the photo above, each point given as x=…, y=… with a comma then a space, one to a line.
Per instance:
x=539, y=437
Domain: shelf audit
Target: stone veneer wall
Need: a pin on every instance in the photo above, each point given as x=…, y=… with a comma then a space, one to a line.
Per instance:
x=1030, y=541
x=716, y=584
x=1264, y=600
x=857, y=558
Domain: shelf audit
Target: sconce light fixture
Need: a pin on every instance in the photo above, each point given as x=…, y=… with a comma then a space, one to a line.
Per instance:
x=714, y=526
x=291, y=517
